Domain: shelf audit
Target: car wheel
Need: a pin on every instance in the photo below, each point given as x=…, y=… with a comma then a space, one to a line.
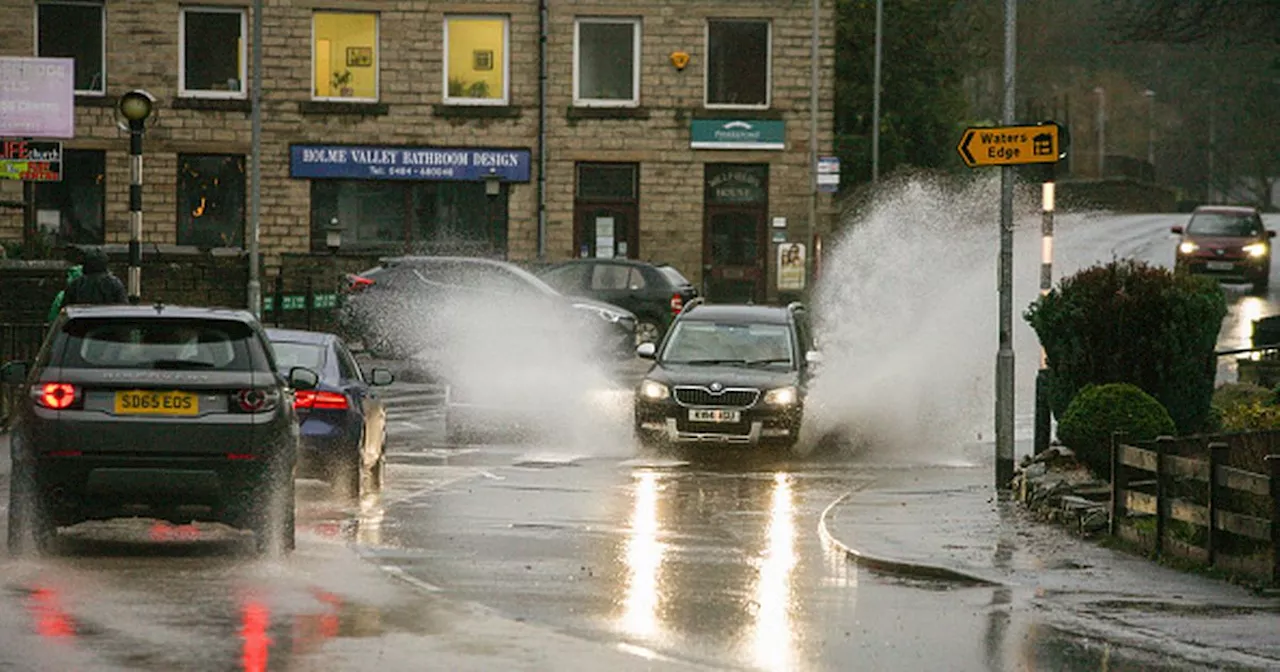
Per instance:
x=345, y=478
x=273, y=518
x=30, y=529
x=1261, y=284
x=648, y=331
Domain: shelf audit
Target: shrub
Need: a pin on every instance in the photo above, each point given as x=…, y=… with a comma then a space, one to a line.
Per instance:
x=1100, y=410
x=1130, y=322
x=1250, y=416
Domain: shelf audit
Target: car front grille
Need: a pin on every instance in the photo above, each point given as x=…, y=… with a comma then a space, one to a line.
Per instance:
x=701, y=396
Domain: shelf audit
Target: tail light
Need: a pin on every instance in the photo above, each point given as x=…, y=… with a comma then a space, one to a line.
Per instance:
x=677, y=304
x=312, y=399
x=257, y=400
x=358, y=283
x=57, y=396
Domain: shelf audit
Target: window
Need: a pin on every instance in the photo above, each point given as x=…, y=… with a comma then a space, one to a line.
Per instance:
x=72, y=211
x=607, y=210
x=423, y=217
x=610, y=276
x=211, y=200
x=476, y=62
x=606, y=66
x=213, y=53
x=738, y=64
x=158, y=344
x=74, y=30
x=345, y=56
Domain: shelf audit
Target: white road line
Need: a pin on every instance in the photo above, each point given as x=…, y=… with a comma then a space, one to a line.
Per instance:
x=398, y=573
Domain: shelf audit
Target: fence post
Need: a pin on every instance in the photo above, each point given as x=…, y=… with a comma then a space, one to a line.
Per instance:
x=278, y=300
x=1274, y=461
x=311, y=304
x=1162, y=447
x=1217, y=457
x=1119, y=483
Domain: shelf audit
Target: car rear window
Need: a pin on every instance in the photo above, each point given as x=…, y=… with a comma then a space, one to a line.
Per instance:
x=673, y=276
x=306, y=355
x=180, y=344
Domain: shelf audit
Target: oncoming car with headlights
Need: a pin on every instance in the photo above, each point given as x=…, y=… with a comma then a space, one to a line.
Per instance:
x=1228, y=242
x=727, y=374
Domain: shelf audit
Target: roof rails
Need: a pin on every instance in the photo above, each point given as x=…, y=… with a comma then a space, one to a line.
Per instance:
x=794, y=306
x=690, y=305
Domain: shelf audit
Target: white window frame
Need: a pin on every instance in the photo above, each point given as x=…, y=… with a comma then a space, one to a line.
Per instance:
x=377, y=57
x=768, y=74
x=102, y=23
x=636, y=29
x=183, y=91
x=506, y=62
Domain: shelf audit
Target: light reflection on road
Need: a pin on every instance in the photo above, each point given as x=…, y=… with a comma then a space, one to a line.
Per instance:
x=774, y=634
x=644, y=555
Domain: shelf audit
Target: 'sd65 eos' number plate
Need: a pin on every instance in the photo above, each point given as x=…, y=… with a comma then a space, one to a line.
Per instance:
x=155, y=402
x=713, y=415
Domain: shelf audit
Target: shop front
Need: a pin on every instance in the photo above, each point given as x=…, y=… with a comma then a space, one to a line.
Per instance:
x=410, y=200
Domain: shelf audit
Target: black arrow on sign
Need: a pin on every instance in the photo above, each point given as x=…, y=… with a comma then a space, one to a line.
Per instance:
x=964, y=149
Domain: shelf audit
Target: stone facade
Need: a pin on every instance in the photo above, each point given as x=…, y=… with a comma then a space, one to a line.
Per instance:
x=143, y=52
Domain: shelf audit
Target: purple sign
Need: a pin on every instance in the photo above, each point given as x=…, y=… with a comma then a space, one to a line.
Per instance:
x=37, y=97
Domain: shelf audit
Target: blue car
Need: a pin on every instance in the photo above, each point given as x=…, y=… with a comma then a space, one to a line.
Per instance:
x=342, y=419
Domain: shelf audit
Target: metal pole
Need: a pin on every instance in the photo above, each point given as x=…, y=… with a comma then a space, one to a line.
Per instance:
x=136, y=130
x=1102, y=131
x=1004, y=358
x=875, y=94
x=543, y=28
x=255, y=170
x=814, y=55
x=1151, y=130
x=1042, y=415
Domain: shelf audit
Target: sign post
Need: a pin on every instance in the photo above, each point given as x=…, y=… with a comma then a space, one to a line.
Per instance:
x=1008, y=146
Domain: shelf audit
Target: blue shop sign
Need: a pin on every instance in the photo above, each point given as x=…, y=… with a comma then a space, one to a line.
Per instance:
x=369, y=162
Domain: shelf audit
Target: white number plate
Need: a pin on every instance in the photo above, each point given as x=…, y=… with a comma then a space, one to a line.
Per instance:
x=1220, y=265
x=713, y=415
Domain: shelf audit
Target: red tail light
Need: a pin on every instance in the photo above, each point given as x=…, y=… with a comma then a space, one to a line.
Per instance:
x=55, y=395
x=358, y=283
x=257, y=400
x=677, y=304
x=332, y=401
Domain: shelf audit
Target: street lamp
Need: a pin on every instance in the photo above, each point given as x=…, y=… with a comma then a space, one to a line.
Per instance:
x=1151, y=131
x=333, y=236
x=1102, y=131
x=135, y=106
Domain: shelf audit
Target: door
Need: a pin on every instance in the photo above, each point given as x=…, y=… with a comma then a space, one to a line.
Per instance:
x=606, y=231
x=735, y=232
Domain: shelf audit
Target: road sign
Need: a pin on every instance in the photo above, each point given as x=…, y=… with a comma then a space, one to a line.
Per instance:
x=30, y=160
x=1011, y=145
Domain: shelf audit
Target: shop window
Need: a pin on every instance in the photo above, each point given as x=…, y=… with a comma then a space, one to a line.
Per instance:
x=213, y=52
x=72, y=212
x=74, y=30
x=345, y=56
x=606, y=63
x=418, y=217
x=211, y=200
x=476, y=62
x=738, y=64
x=607, y=211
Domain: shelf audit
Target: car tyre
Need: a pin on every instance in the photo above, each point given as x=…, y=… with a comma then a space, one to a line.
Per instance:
x=648, y=330
x=345, y=478
x=31, y=531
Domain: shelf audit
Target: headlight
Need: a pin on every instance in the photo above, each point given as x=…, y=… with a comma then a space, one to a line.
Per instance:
x=1256, y=250
x=603, y=313
x=653, y=390
x=783, y=396
x=1187, y=247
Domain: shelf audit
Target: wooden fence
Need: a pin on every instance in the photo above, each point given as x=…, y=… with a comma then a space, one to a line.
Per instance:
x=1225, y=517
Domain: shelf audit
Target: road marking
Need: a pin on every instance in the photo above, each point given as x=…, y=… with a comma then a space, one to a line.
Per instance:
x=398, y=573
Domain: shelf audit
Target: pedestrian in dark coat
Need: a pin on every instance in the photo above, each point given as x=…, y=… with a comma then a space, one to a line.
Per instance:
x=97, y=285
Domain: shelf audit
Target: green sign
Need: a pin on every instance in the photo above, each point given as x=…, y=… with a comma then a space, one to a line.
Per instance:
x=299, y=302
x=738, y=134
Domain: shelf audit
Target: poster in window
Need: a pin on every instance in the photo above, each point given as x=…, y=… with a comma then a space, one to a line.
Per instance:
x=359, y=57
x=482, y=59
x=604, y=237
x=791, y=267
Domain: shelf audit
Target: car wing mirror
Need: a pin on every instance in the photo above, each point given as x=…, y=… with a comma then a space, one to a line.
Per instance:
x=1176, y=229
x=302, y=378
x=646, y=351
x=14, y=373
x=380, y=377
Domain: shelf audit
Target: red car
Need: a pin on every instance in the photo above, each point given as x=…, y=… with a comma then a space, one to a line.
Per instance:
x=1228, y=242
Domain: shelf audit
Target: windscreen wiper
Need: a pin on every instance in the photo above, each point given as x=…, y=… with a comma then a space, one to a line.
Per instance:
x=779, y=360
x=696, y=362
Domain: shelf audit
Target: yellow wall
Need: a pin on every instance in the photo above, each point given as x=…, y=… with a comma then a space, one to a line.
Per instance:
x=334, y=33
x=466, y=36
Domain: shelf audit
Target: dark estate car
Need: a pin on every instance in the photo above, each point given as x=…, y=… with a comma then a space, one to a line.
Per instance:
x=163, y=412
x=727, y=374
x=654, y=292
x=413, y=305
x=1228, y=242
x=344, y=423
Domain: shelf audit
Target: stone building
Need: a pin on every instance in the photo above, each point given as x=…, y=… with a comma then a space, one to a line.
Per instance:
x=667, y=130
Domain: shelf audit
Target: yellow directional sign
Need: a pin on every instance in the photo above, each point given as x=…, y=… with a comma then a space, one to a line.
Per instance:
x=1010, y=145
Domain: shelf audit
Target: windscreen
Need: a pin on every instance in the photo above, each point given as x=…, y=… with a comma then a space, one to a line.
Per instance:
x=696, y=342
x=178, y=344
x=1224, y=224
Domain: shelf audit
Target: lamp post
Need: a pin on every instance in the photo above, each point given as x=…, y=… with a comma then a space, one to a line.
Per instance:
x=492, y=190
x=1151, y=130
x=135, y=106
x=1102, y=131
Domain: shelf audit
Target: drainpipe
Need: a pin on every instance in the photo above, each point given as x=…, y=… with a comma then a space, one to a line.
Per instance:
x=814, y=55
x=542, y=129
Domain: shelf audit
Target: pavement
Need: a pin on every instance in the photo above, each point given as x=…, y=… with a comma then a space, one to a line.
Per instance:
x=946, y=524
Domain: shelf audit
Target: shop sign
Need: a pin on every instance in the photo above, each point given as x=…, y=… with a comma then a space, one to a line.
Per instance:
x=37, y=97
x=31, y=160
x=368, y=162
x=828, y=174
x=791, y=267
x=738, y=134
x=736, y=184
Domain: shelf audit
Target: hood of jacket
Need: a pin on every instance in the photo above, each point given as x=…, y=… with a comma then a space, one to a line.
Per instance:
x=95, y=261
